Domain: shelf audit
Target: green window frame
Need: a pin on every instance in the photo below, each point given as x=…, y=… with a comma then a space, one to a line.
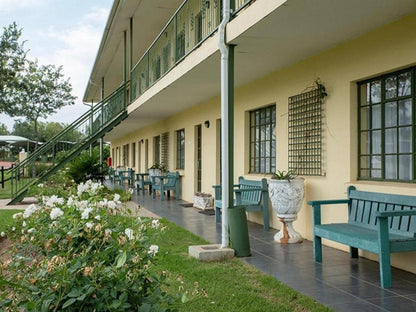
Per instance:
x=156, y=141
x=263, y=140
x=180, y=149
x=133, y=154
x=386, y=127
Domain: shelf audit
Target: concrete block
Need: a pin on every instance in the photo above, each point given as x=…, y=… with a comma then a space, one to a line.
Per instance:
x=209, y=253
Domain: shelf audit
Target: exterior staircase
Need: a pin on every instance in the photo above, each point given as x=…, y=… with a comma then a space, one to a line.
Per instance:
x=53, y=155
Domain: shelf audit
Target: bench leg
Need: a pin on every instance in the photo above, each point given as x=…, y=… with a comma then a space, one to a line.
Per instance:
x=353, y=252
x=317, y=248
x=385, y=269
x=266, y=218
x=384, y=253
x=162, y=194
x=217, y=214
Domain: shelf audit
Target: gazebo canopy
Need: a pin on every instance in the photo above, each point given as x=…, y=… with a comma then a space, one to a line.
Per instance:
x=16, y=141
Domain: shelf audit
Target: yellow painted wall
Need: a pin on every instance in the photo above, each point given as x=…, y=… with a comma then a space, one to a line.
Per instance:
x=386, y=49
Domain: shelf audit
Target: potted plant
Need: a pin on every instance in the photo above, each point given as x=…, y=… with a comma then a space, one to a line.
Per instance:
x=286, y=192
x=158, y=169
x=203, y=201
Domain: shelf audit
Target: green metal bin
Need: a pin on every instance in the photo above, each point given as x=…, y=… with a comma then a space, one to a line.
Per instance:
x=237, y=223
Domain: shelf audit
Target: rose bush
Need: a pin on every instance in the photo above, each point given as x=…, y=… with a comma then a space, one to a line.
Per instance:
x=81, y=252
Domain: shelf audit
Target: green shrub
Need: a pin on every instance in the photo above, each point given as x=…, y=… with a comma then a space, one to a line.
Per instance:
x=84, y=166
x=78, y=253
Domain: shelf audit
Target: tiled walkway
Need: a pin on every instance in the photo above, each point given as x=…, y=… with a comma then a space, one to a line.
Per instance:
x=340, y=282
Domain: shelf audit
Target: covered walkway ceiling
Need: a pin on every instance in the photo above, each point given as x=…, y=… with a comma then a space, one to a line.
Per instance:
x=294, y=31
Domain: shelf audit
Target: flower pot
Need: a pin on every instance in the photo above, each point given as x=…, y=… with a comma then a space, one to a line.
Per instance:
x=286, y=197
x=155, y=172
x=203, y=202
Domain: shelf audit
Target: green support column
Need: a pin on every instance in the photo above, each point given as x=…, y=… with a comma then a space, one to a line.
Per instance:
x=231, y=123
x=101, y=139
x=131, y=56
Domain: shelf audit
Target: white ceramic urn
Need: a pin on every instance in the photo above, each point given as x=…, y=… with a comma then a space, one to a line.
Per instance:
x=286, y=197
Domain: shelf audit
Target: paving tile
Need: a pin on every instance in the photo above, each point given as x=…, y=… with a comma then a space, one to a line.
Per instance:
x=397, y=303
x=356, y=306
x=329, y=295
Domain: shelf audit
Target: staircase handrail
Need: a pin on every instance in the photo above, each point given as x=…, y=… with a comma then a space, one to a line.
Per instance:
x=70, y=127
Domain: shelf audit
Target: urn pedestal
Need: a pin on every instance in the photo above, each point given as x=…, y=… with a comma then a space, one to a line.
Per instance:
x=286, y=197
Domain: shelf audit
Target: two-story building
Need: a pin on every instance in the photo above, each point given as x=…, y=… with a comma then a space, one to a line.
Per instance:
x=164, y=55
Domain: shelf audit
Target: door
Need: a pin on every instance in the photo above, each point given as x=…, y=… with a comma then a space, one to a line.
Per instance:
x=198, y=155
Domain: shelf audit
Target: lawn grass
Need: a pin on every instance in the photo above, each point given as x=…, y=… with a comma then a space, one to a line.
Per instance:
x=6, y=218
x=228, y=285
x=6, y=191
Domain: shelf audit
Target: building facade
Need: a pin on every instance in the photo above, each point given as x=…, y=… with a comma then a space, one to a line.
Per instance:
x=362, y=133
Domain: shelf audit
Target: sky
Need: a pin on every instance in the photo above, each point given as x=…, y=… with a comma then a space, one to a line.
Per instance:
x=60, y=32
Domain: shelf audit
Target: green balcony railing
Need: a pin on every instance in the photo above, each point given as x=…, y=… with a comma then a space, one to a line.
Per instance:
x=84, y=131
x=193, y=22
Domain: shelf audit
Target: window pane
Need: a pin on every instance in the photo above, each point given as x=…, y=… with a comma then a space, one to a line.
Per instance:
x=391, y=167
x=376, y=142
x=405, y=167
x=404, y=84
x=375, y=173
x=376, y=162
x=391, y=141
x=376, y=92
x=365, y=142
x=365, y=117
x=391, y=114
x=405, y=140
x=376, y=116
x=391, y=87
x=364, y=173
x=365, y=162
x=405, y=112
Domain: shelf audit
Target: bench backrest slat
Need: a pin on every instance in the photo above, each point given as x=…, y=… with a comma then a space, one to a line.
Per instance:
x=172, y=177
x=365, y=205
x=251, y=196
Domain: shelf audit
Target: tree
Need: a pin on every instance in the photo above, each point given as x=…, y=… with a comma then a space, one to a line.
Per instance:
x=3, y=129
x=43, y=92
x=12, y=61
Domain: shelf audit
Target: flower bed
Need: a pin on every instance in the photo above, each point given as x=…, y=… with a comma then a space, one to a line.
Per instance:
x=79, y=252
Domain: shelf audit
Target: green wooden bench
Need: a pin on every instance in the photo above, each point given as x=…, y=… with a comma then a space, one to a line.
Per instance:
x=377, y=222
x=126, y=175
x=254, y=195
x=142, y=179
x=114, y=177
x=168, y=182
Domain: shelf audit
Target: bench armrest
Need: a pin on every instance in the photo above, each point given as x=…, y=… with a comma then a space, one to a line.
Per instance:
x=316, y=205
x=399, y=213
x=328, y=202
x=250, y=190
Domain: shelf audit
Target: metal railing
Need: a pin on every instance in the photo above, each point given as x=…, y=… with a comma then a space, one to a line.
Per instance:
x=49, y=155
x=3, y=172
x=193, y=23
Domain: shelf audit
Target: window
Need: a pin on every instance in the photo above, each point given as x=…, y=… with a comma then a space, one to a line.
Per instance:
x=133, y=154
x=180, y=149
x=198, y=28
x=180, y=44
x=126, y=155
x=263, y=140
x=387, y=127
x=156, y=142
